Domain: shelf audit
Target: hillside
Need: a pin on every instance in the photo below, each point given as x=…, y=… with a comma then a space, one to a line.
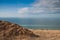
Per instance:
x=11, y=31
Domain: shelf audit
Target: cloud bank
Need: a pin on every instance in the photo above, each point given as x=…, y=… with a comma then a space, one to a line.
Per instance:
x=40, y=8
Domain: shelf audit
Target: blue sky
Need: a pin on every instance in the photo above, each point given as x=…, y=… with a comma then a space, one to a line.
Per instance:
x=29, y=8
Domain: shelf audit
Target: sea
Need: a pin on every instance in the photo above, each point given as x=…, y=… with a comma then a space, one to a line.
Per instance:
x=36, y=23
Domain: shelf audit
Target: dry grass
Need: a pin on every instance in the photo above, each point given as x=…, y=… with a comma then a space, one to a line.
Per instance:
x=47, y=34
x=43, y=35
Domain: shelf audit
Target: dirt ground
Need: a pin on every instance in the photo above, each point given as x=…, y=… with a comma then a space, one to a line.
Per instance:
x=44, y=35
x=47, y=34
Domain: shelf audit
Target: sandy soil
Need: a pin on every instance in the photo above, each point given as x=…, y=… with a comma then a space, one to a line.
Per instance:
x=44, y=35
x=47, y=34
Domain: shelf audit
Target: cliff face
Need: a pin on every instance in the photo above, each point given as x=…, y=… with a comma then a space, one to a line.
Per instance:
x=11, y=31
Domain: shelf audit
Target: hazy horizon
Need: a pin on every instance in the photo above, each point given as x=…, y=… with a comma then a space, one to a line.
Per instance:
x=35, y=23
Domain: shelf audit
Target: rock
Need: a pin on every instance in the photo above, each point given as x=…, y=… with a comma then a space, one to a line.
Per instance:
x=9, y=30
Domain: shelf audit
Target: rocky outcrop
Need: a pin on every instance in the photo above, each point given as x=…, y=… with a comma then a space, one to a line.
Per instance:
x=10, y=30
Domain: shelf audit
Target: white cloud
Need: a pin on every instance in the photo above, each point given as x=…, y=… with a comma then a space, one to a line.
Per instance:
x=45, y=3
x=40, y=8
x=23, y=10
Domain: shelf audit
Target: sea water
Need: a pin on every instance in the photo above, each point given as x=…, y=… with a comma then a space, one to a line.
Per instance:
x=36, y=23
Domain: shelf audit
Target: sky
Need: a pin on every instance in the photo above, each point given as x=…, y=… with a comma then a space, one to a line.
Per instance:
x=30, y=8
